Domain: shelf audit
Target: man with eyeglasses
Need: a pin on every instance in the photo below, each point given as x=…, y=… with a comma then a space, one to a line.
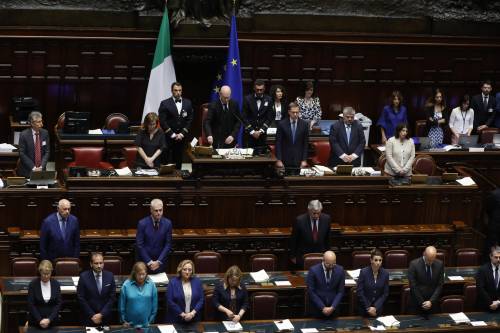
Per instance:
x=34, y=147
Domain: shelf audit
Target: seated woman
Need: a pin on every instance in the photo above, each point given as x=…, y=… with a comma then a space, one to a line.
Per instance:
x=393, y=114
x=461, y=119
x=138, y=302
x=399, y=153
x=373, y=286
x=280, y=105
x=436, y=115
x=231, y=297
x=309, y=105
x=44, y=298
x=150, y=142
x=185, y=295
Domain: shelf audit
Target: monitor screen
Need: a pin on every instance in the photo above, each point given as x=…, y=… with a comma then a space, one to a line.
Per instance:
x=76, y=122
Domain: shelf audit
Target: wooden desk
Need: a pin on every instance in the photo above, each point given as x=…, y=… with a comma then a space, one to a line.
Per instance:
x=8, y=162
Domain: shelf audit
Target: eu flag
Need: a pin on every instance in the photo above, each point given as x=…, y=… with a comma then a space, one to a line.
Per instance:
x=231, y=74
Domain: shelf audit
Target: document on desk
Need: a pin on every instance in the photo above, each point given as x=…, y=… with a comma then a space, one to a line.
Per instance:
x=455, y=278
x=75, y=280
x=124, y=171
x=354, y=273
x=283, y=283
x=284, y=325
x=260, y=276
x=309, y=330
x=377, y=328
x=271, y=131
x=466, y=181
x=96, y=131
x=459, y=317
x=92, y=330
x=242, y=151
x=350, y=282
x=167, y=329
x=68, y=288
x=478, y=323
x=147, y=172
x=6, y=147
x=159, y=278
x=231, y=326
x=388, y=321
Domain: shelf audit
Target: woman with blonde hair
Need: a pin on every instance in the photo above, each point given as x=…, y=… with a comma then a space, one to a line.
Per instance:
x=185, y=295
x=231, y=297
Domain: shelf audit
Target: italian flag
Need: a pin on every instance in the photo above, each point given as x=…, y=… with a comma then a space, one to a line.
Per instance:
x=162, y=72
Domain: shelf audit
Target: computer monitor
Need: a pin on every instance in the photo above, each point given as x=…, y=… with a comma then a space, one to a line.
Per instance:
x=76, y=122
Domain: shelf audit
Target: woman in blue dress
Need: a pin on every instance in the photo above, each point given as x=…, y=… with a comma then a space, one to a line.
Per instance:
x=393, y=114
x=436, y=115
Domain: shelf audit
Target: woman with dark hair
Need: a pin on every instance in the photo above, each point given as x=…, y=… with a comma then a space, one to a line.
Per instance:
x=373, y=286
x=278, y=95
x=435, y=112
x=309, y=105
x=461, y=119
x=399, y=153
x=231, y=297
x=393, y=114
x=150, y=142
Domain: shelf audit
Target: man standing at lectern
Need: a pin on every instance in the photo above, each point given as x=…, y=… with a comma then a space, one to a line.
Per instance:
x=34, y=147
x=310, y=234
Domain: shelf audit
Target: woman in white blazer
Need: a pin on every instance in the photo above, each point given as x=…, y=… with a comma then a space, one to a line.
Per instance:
x=399, y=153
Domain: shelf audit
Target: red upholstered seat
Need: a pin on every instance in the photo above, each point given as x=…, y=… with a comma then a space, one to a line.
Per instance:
x=89, y=157
x=470, y=297
x=207, y=262
x=487, y=135
x=321, y=152
x=129, y=155
x=467, y=257
x=263, y=261
x=67, y=267
x=424, y=164
x=442, y=255
x=263, y=305
x=24, y=266
x=113, y=264
x=396, y=259
x=311, y=259
x=114, y=120
x=360, y=259
x=452, y=304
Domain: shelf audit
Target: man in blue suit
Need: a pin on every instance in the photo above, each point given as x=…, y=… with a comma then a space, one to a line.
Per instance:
x=60, y=234
x=154, y=238
x=325, y=287
x=347, y=140
x=96, y=293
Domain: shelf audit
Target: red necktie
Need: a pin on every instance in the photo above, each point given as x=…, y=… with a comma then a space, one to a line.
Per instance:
x=315, y=230
x=38, y=150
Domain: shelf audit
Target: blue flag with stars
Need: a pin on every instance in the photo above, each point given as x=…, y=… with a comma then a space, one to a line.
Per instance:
x=231, y=74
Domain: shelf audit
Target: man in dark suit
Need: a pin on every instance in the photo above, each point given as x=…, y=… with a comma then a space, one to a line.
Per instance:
x=34, y=147
x=222, y=123
x=154, y=238
x=484, y=106
x=487, y=283
x=60, y=234
x=176, y=115
x=426, y=278
x=347, y=140
x=310, y=233
x=96, y=293
x=325, y=287
x=258, y=113
x=292, y=139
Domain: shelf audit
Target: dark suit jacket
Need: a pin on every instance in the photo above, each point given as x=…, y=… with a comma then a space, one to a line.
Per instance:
x=485, y=286
x=38, y=309
x=421, y=289
x=220, y=124
x=223, y=297
x=91, y=301
x=339, y=146
x=482, y=115
x=154, y=244
x=429, y=114
x=171, y=121
x=371, y=293
x=301, y=240
x=52, y=244
x=322, y=294
x=176, y=303
x=290, y=153
x=27, y=151
x=256, y=119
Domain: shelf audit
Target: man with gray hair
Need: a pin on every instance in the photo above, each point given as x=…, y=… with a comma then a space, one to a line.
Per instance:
x=34, y=147
x=310, y=234
x=154, y=238
x=347, y=140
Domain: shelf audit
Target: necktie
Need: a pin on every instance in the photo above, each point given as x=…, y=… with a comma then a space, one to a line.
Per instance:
x=224, y=107
x=485, y=102
x=294, y=129
x=315, y=230
x=496, y=277
x=38, y=150
x=63, y=229
x=328, y=275
x=428, y=272
x=348, y=132
x=156, y=225
x=98, y=282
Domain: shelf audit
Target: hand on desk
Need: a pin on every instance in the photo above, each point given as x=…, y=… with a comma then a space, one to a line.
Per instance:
x=303, y=164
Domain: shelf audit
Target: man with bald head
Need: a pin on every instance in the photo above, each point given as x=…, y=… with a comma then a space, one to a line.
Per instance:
x=426, y=278
x=154, y=238
x=325, y=287
x=60, y=234
x=222, y=123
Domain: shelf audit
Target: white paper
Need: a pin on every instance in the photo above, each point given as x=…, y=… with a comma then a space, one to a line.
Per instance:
x=309, y=330
x=381, y=148
x=260, y=276
x=147, y=172
x=478, y=323
x=68, y=288
x=123, y=171
x=6, y=147
x=455, y=278
x=476, y=149
x=377, y=328
x=75, y=280
x=350, y=282
x=96, y=131
x=194, y=142
x=91, y=330
x=466, y=181
x=323, y=170
x=365, y=170
x=354, y=273
x=450, y=147
x=159, y=278
x=284, y=325
x=282, y=283
x=242, y=151
x=388, y=321
x=271, y=130
x=459, y=317
x=231, y=326
x=167, y=329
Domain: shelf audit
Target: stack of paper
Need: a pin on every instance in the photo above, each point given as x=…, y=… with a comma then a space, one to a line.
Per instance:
x=466, y=181
x=455, y=278
x=96, y=131
x=459, y=317
x=388, y=321
x=167, y=329
x=68, y=288
x=283, y=283
x=284, y=325
x=260, y=276
x=6, y=147
x=159, y=278
x=309, y=330
x=123, y=172
x=147, y=172
x=377, y=328
x=231, y=326
x=322, y=170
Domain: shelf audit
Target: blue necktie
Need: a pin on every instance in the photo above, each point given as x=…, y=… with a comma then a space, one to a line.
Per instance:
x=428, y=272
x=348, y=132
x=294, y=129
x=98, y=282
x=63, y=229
